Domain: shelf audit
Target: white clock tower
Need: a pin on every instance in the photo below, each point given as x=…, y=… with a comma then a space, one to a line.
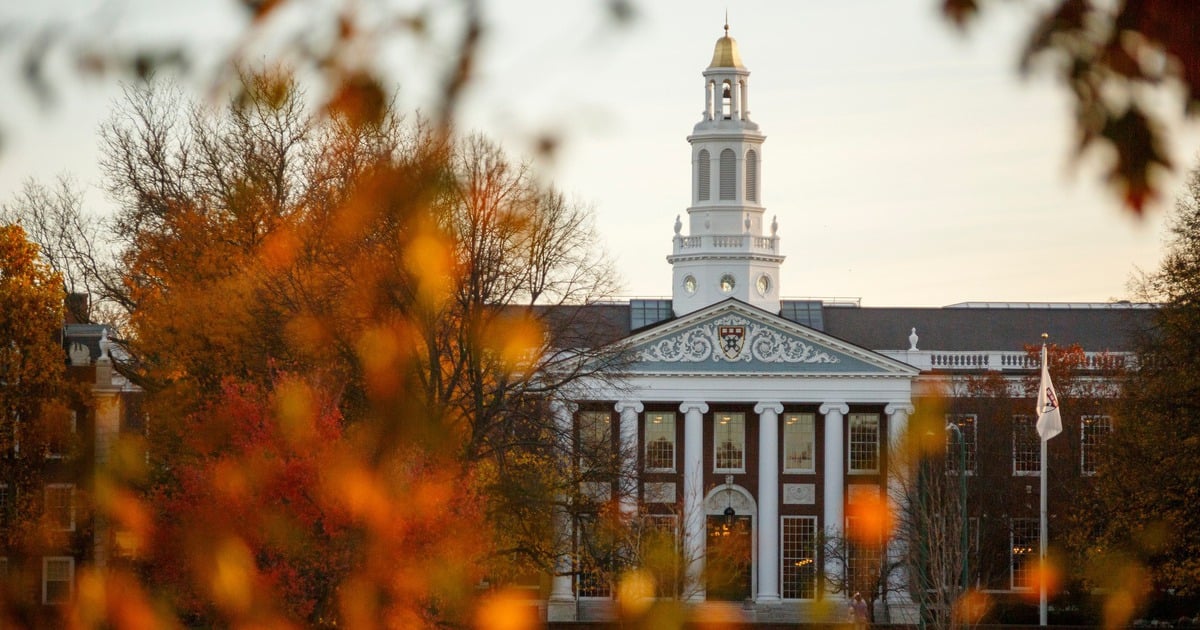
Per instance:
x=725, y=252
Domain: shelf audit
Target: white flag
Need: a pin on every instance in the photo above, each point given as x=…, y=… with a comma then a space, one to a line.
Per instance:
x=1049, y=422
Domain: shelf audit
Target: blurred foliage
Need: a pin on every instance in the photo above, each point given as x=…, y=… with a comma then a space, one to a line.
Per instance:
x=1117, y=59
x=1138, y=524
x=341, y=325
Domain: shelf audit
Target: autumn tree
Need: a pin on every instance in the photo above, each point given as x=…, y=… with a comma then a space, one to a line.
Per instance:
x=36, y=401
x=1139, y=528
x=412, y=270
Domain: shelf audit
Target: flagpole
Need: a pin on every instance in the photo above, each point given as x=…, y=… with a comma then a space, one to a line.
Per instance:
x=1043, y=611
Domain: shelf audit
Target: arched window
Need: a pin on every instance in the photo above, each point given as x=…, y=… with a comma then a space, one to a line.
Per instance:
x=728, y=181
x=703, y=178
x=726, y=101
x=751, y=175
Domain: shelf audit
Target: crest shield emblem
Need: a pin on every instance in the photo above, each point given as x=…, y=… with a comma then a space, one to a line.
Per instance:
x=732, y=340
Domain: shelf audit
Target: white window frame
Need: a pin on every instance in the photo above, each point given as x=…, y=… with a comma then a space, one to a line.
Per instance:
x=666, y=522
x=665, y=417
x=46, y=560
x=971, y=442
x=734, y=418
x=600, y=590
x=851, y=443
x=796, y=422
x=1028, y=553
x=49, y=490
x=589, y=445
x=1027, y=421
x=1092, y=432
x=784, y=557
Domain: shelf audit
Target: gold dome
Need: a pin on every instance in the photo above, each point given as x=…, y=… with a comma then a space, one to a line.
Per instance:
x=725, y=54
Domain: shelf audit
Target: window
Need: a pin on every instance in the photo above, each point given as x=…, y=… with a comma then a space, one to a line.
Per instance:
x=660, y=441
x=659, y=552
x=799, y=438
x=60, y=438
x=1024, y=552
x=728, y=177
x=642, y=313
x=729, y=442
x=596, y=559
x=1027, y=447
x=864, y=443
x=966, y=423
x=703, y=177
x=799, y=561
x=864, y=557
x=1092, y=431
x=751, y=175
x=58, y=579
x=60, y=505
x=727, y=283
x=4, y=506
x=595, y=441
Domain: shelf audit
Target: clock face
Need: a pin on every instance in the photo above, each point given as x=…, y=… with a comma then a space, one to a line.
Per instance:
x=764, y=284
x=727, y=283
x=689, y=285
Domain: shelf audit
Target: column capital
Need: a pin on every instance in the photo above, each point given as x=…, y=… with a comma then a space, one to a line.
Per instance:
x=635, y=405
x=839, y=407
x=773, y=405
x=689, y=405
x=892, y=408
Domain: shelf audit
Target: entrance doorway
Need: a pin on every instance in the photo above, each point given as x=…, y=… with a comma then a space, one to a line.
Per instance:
x=728, y=561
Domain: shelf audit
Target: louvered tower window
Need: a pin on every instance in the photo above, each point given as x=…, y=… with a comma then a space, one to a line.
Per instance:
x=703, y=178
x=728, y=181
x=751, y=175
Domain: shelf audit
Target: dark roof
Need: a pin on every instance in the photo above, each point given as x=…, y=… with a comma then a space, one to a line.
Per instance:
x=585, y=325
x=1096, y=328
x=1110, y=329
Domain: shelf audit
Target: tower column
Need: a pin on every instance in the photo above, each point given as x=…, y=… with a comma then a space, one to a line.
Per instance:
x=693, y=498
x=768, y=501
x=745, y=89
x=835, y=477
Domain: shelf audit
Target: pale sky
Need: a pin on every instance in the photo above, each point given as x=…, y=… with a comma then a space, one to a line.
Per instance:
x=908, y=165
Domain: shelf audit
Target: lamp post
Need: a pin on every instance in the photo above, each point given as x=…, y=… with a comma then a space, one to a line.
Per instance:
x=962, y=497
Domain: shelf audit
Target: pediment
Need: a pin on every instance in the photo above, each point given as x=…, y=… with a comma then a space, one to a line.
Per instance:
x=734, y=338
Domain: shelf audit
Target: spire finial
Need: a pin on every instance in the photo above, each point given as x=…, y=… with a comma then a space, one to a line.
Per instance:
x=726, y=22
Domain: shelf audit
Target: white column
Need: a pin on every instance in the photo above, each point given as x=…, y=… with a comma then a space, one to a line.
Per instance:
x=108, y=428
x=693, y=498
x=628, y=451
x=709, y=87
x=745, y=99
x=735, y=99
x=768, y=501
x=897, y=414
x=561, y=606
x=835, y=475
